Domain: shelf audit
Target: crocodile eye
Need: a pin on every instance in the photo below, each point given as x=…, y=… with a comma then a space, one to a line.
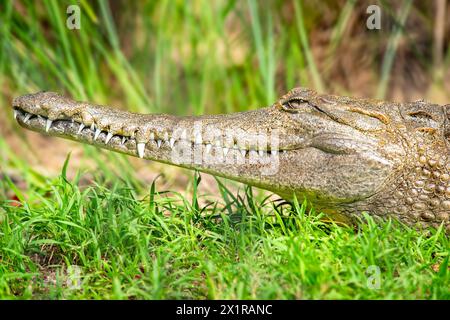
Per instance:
x=420, y=115
x=423, y=120
x=295, y=105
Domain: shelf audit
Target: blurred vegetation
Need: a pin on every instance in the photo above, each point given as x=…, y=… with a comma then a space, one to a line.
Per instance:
x=202, y=57
x=214, y=56
x=218, y=56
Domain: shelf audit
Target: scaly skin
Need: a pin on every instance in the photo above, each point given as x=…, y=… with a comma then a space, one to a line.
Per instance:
x=344, y=155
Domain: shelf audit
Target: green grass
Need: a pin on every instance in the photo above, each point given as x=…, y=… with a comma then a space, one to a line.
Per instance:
x=154, y=246
x=127, y=239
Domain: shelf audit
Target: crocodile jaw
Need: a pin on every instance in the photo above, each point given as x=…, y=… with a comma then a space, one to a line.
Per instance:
x=225, y=145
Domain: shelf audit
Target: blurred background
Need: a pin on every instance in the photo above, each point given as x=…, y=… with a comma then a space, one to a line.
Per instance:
x=202, y=56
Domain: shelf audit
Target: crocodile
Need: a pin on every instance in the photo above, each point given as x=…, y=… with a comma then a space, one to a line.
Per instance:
x=344, y=155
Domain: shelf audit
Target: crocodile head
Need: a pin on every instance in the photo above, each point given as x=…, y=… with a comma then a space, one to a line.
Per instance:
x=344, y=155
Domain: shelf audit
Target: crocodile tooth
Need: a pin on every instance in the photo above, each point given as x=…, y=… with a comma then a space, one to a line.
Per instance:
x=16, y=113
x=141, y=149
x=261, y=153
x=123, y=140
x=225, y=151
x=208, y=148
x=97, y=133
x=252, y=153
x=93, y=126
x=274, y=152
x=48, y=124
x=41, y=117
x=80, y=128
x=27, y=117
x=166, y=136
x=108, y=137
x=152, y=136
x=158, y=143
x=243, y=152
x=172, y=142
